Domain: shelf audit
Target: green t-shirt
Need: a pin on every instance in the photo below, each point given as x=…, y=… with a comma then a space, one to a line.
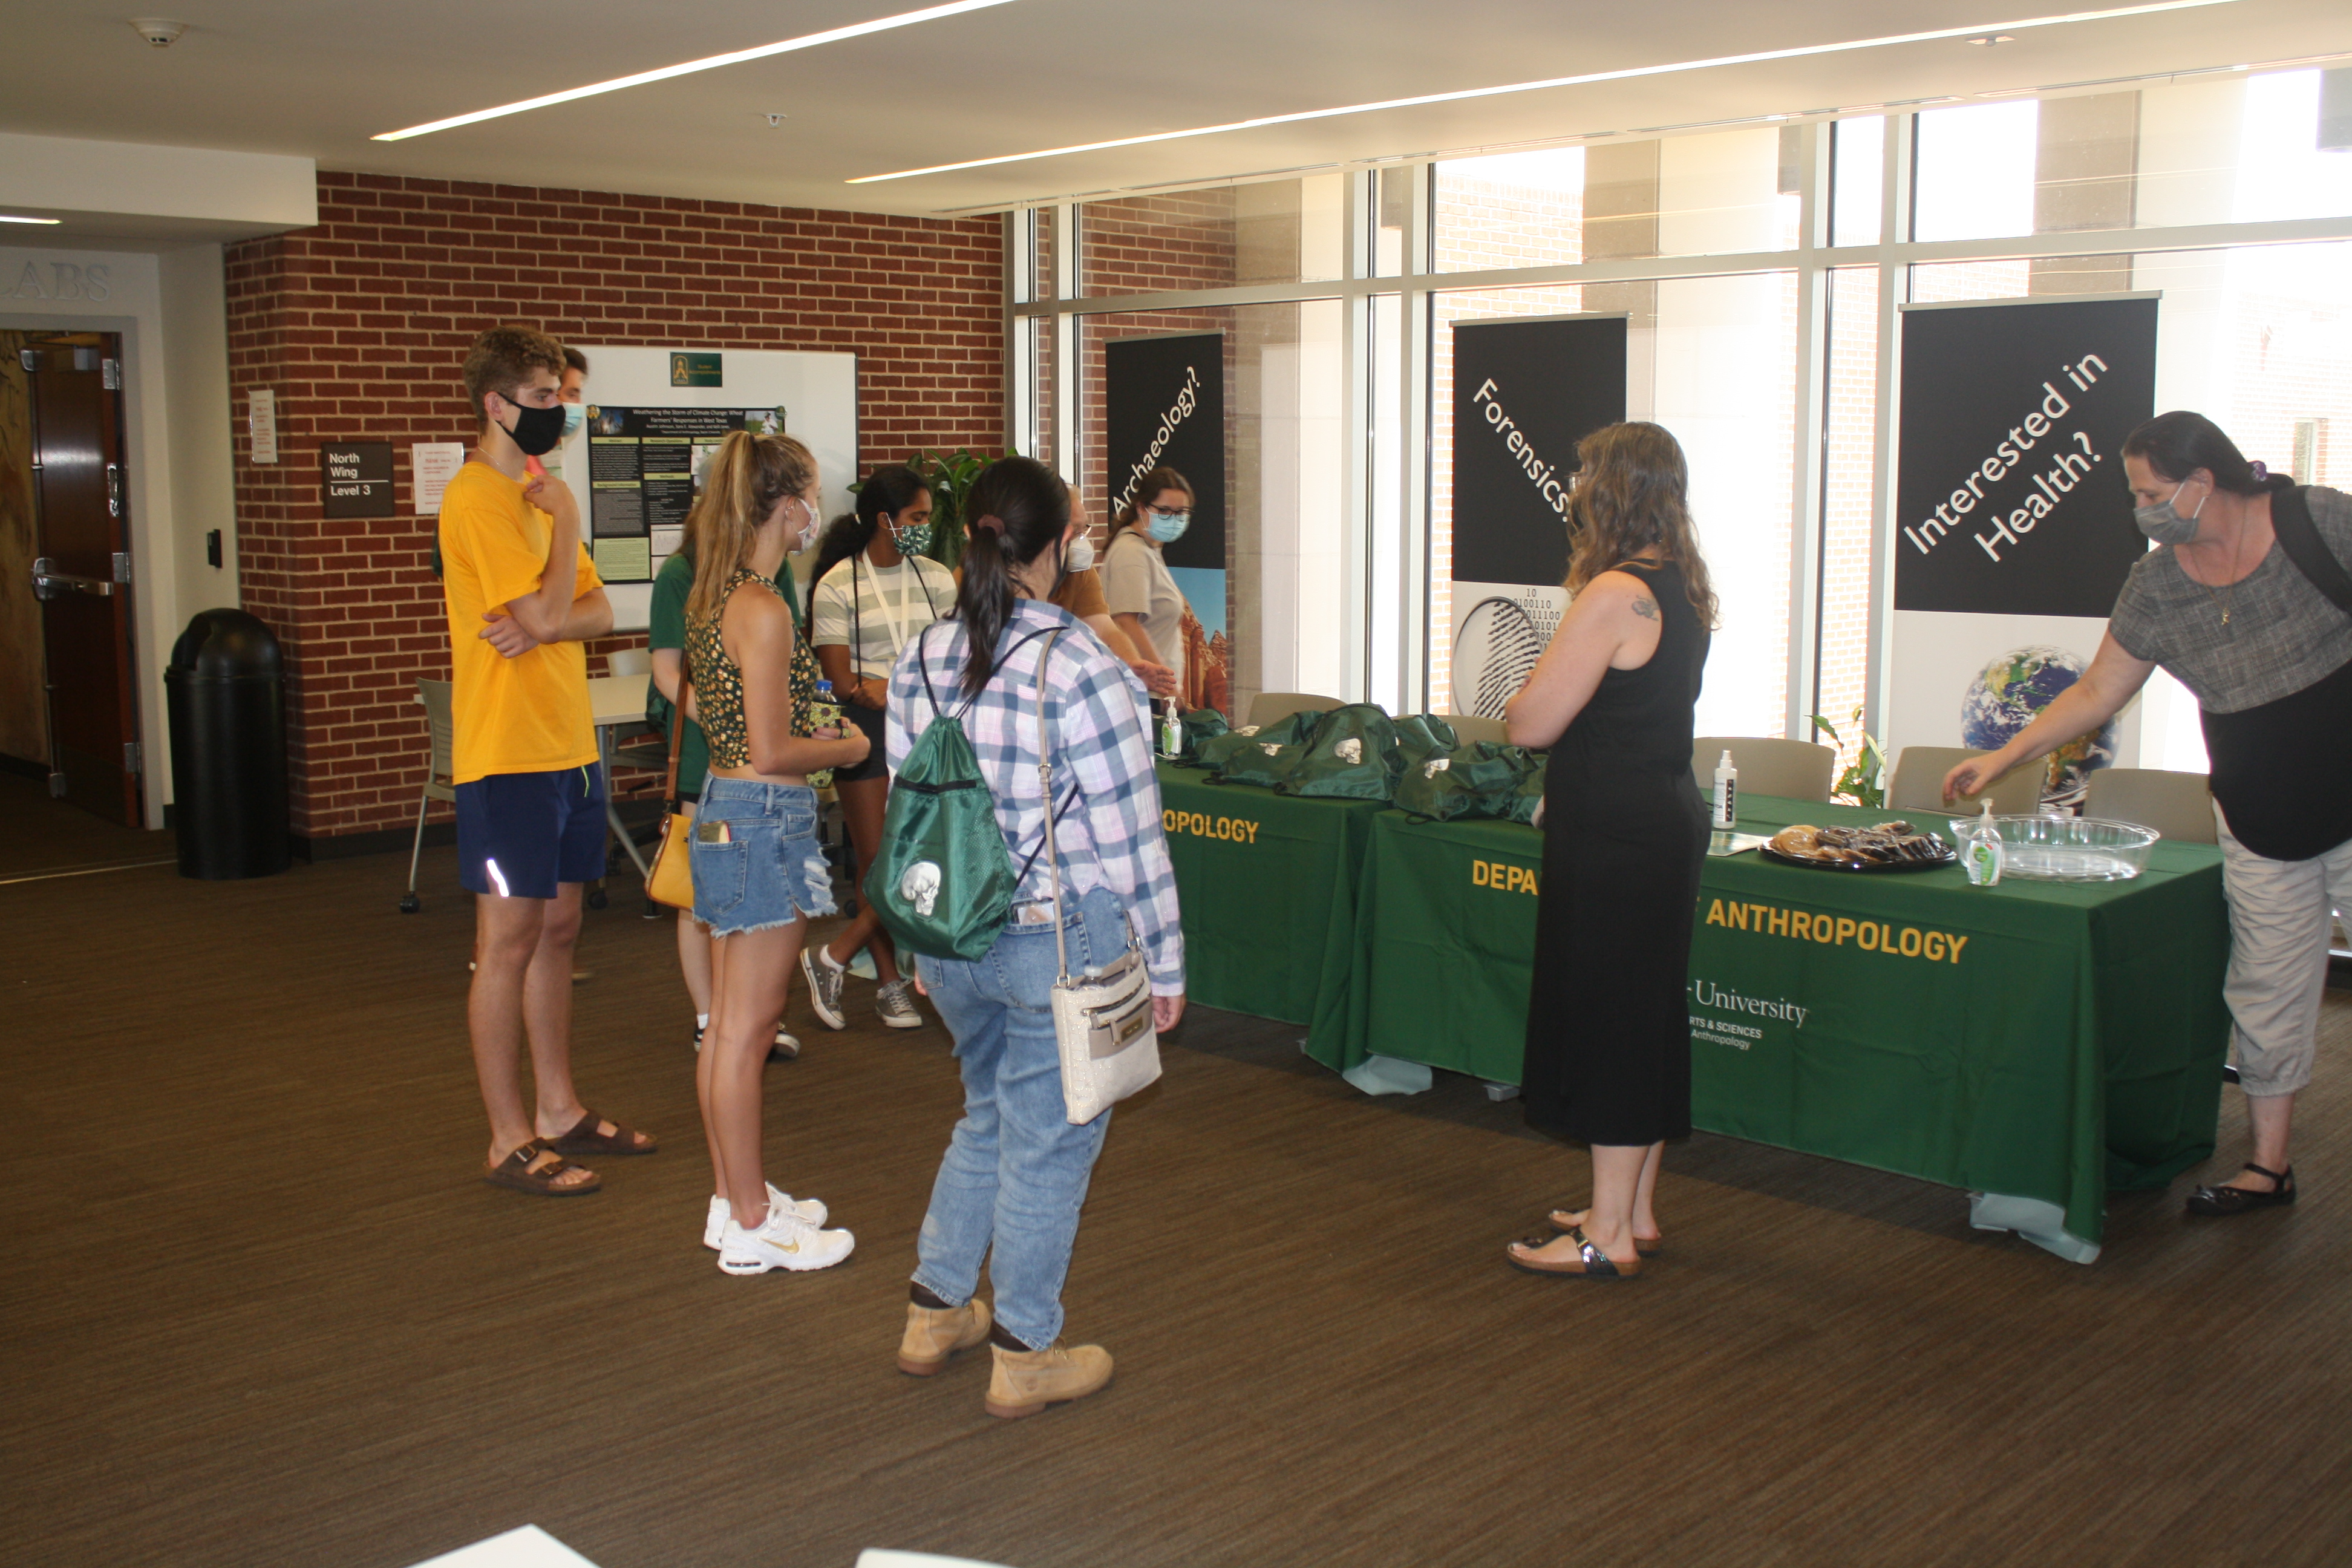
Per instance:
x=665, y=627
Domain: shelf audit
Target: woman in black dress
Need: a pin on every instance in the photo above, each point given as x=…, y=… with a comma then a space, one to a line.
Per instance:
x=1608, y=1054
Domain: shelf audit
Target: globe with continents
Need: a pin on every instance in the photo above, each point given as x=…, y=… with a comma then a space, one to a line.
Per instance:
x=2009, y=691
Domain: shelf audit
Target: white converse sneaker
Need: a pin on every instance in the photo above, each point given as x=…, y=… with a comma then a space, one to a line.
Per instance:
x=810, y=1210
x=785, y=1241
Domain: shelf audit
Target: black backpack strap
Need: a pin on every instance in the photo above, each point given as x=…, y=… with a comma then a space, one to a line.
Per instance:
x=2299, y=537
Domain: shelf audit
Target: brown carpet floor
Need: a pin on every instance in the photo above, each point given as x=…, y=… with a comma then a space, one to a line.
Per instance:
x=259, y=1311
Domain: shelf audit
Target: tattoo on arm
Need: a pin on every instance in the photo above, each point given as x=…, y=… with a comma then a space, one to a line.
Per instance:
x=1646, y=607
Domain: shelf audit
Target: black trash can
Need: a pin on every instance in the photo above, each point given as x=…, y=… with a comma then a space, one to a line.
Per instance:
x=224, y=690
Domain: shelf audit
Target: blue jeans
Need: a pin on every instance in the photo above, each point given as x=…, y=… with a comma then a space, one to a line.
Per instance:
x=1015, y=1172
x=772, y=871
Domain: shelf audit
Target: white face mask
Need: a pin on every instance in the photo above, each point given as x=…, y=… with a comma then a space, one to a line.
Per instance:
x=804, y=538
x=1080, y=556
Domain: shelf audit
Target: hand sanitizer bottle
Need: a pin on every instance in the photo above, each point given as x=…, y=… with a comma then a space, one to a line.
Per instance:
x=1725, y=812
x=1172, y=731
x=1981, y=850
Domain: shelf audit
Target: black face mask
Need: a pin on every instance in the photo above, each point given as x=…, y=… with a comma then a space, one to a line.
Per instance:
x=538, y=431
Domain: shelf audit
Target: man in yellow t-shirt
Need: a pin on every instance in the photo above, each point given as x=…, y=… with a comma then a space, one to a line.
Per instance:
x=523, y=599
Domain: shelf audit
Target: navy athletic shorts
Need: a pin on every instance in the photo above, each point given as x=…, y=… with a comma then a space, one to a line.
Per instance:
x=519, y=835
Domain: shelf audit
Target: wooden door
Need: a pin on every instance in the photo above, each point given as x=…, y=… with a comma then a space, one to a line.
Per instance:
x=82, y=573
x=24, y=698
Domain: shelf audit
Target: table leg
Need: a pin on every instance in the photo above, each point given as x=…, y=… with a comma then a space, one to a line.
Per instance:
x=613, y=811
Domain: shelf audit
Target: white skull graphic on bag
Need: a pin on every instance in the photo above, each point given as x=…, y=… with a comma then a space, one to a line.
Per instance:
x=1351, y=750
x=921, y=887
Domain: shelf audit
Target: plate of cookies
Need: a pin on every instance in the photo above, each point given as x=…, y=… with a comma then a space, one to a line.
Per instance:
x=1886, y=846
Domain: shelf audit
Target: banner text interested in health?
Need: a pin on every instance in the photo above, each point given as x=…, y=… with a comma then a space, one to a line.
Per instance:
x=2066, y=471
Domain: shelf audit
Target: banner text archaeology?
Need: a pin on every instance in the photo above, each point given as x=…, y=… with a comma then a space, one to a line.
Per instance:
x=1836, y=931
x=2063, y=474
x=1187, y=399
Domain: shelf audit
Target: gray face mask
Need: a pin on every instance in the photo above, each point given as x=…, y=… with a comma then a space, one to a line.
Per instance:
x=2165, y=526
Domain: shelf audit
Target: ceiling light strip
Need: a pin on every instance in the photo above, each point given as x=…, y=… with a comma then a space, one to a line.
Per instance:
x=810, y=41
x=1626, y=74
x=11, y=217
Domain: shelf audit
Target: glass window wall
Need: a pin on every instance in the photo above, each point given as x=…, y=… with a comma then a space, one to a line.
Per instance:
x=1340, y=473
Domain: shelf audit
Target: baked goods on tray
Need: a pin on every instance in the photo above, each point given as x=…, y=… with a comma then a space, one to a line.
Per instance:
x=1894, y=843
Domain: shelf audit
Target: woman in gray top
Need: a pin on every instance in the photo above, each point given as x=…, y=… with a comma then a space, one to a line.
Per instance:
x=2242, y=608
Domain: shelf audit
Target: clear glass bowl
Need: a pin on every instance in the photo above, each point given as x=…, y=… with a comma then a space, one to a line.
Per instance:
x=2067, y=849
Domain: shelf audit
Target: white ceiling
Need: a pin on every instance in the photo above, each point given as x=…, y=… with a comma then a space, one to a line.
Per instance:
x=318, y=78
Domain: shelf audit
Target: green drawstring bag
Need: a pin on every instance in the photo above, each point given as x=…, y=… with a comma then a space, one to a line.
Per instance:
x=1521, y=806
x=942, y=881
x=1476, y=780
x=1349, y=757
x=1201, y=724
x=1258, y=755
x=1419, y=737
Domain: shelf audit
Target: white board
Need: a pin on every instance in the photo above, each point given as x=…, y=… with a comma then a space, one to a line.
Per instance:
x=817, y=392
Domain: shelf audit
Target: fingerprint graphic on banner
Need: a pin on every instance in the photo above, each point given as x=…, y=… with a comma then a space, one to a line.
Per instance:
x=1494, y=652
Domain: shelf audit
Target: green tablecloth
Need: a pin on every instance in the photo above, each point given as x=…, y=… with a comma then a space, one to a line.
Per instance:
x=2047, y=1040
x=1268, y=888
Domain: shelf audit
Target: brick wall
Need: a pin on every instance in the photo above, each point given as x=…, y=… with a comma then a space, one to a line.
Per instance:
x=360, y=326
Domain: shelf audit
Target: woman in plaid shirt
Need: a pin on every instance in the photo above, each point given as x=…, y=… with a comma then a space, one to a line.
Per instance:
x=1015, y=1171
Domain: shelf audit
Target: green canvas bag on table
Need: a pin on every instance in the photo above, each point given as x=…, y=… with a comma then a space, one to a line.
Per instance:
x=1259, y=754
x=1524, y=800
x=1201, y=724
x=1476, y=780
x=942, y=881
x=1349, y=757
x=1419, y=737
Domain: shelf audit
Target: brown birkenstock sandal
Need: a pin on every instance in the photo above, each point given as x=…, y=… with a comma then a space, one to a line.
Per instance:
x=533, y=1168
x=583, y=1139
x=1590, y=1263
x=1566, y=1220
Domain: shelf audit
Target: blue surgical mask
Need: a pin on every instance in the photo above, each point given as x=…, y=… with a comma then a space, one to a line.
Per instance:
x=575, y=415
x=2163, y=525
x=1167, y=527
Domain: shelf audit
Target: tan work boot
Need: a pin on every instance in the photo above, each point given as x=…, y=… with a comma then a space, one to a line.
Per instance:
x=934, y=1333
x=1025, y=1381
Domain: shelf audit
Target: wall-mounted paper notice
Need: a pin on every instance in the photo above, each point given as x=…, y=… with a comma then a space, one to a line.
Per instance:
x=432, y=464
x=262, y=423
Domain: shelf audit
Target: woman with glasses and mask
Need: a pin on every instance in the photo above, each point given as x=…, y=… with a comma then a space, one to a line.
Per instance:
x=1145, y=603
x=1017, y=1170
x=1608, y=1045
x=2247, y=603
x=876, y=590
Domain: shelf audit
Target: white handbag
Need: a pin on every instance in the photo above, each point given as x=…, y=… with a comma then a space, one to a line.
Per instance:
x=1102, y=1021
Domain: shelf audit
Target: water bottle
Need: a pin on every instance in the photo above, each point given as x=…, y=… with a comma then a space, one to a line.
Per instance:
x=1726, y=813
x=824, y=713
x=1981, y=850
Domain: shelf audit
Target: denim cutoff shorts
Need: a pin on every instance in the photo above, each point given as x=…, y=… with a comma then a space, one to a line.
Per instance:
x=771, y=872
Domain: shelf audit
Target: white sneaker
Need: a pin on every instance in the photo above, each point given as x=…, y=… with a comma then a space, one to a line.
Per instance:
x=785, y=1241
x=810, y=1210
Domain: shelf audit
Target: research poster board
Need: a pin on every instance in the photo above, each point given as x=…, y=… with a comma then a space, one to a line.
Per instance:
x=654, y=417
x=1526, y=391
x=1164, y=407
x=2013, y=527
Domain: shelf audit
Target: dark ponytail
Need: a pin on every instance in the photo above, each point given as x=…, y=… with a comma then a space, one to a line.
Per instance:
x=888, y=491
x=2176, y=444
x=1015, y=511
